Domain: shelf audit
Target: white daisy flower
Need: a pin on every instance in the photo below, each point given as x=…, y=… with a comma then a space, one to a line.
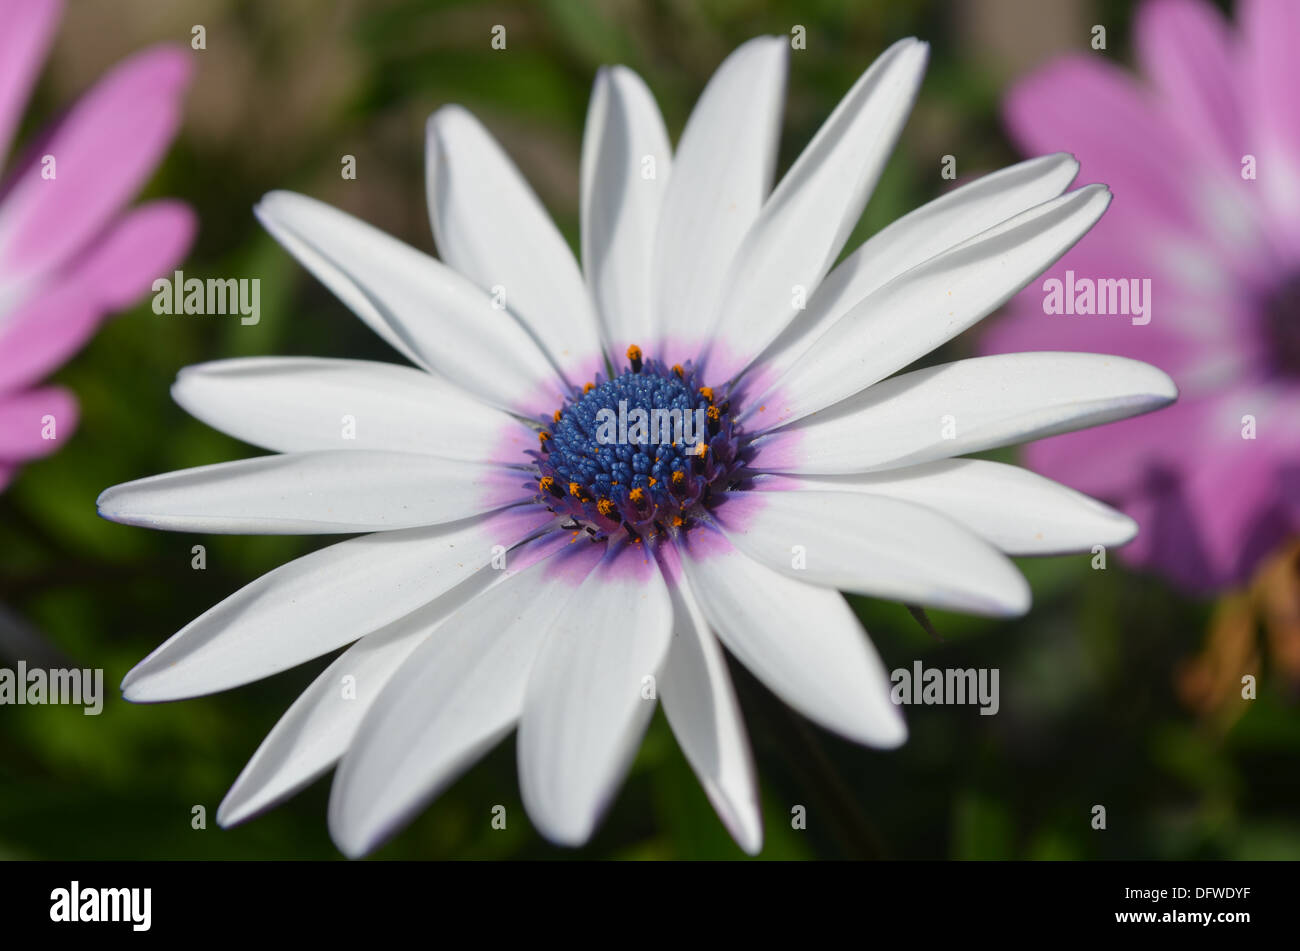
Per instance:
x=537, y=559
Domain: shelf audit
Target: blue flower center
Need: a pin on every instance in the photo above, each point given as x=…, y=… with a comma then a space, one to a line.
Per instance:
x=642, y=451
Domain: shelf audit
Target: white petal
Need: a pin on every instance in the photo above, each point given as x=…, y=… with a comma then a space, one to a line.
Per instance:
x=620, y=205
x=584, y=710
x=928, y=305
x=298, y=404
x=721, y=175
x=966, y=406
x=490, y=226
x=1019, y=511
x=316, y=604
x=431, y=314
x=701, y=708
x=458, y=693
x=933, y=228
x=803, y=226
x=800, y=640
x=315, y=493
x=874, y=545
x=318, y=728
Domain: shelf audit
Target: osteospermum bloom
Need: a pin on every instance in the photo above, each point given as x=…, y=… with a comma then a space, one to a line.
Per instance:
x=1203, y=152
x=532, y=564
x=69, y=254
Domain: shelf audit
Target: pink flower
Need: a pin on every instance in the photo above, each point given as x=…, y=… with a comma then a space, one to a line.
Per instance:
x=1203, y=155
x=70, y=253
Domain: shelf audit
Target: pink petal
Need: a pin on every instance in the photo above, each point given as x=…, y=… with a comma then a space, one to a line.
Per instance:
x=1271, y=97
x=1272, y=30
x=104, y=151
x=1241, y=515
x=1184, y=47
x=1168, y=539
x=1208, y=503
x=28, y=26
x=43, y=333
x=1027, y=328
x=143, y=246
x=1101, y=255
x=23, y=420
x=52, y=325
x=1117, y=461
x=1084, y=105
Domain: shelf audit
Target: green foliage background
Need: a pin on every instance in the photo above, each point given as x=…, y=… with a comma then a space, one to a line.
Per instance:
x=283, y=91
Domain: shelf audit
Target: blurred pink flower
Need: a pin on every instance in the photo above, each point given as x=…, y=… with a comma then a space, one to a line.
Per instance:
x=69, y=252
x=1203, y=156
